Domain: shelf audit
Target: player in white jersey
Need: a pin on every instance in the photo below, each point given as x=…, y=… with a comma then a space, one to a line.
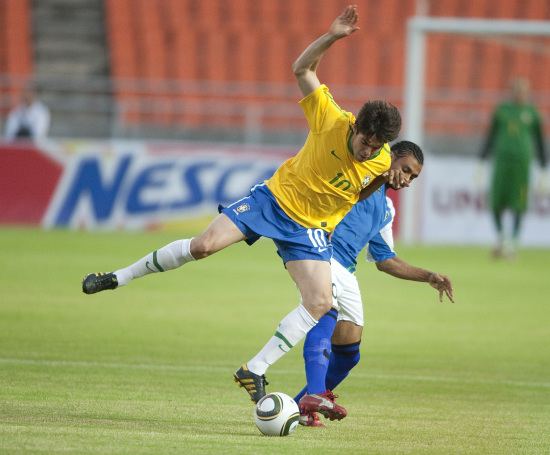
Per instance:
x=331, y=348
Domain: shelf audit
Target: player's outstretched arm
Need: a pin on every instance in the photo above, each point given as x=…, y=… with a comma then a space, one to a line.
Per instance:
x=305, y=67
x=398, y=268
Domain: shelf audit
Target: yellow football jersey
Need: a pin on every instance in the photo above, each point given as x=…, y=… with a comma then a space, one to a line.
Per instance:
x=318, y=186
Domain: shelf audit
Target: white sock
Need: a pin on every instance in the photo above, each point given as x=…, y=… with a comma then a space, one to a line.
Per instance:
x=291, y=330
x=169, y=257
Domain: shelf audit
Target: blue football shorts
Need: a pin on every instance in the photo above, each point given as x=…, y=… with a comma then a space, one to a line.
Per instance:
x=260, y=215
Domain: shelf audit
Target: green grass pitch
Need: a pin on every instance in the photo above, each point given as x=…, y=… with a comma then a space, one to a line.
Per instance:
x=147, y=369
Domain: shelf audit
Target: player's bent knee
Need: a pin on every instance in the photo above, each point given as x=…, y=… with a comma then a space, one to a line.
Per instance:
x=202, y=247
x=317, y=306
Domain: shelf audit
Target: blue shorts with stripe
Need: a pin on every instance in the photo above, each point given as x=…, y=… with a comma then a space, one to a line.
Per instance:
x=260, y=215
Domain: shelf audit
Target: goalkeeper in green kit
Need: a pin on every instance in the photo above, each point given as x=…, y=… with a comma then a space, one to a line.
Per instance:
x=514, y=136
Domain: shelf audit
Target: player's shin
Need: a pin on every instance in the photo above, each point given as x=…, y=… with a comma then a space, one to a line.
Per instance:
x=317, y=349
x=342, y=359
x=169, y=257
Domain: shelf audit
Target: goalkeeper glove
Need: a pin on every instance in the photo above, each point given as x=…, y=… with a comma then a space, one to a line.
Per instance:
x=480, y=177
x=542, y=182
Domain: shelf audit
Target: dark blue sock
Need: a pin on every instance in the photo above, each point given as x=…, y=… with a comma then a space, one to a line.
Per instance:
x=298, y=397
x=317, y=353
x=342, y=359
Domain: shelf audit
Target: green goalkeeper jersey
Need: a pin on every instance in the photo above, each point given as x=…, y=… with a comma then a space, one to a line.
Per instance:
x=515, y=134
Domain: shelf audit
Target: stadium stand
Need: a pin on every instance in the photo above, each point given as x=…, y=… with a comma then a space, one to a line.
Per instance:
x=181, y=64
x=241, y=41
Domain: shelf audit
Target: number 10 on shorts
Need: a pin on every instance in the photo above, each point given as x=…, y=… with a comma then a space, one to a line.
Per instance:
x=318, y=239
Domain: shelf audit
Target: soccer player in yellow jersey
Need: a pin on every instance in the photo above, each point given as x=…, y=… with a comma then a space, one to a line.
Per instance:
x=298, y=207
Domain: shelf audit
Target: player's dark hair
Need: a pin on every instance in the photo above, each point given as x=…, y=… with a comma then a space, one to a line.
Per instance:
x=380, y=118
x=404, y=148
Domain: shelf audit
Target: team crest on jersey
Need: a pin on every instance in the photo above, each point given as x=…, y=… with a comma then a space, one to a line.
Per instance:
x=242, y=208
x=366, y=180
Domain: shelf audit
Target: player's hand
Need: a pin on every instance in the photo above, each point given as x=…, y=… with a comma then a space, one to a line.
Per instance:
x=443, y=284
x=344, y=25
x=396, y=179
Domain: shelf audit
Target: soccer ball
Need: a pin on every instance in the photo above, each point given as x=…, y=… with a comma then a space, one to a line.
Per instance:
x=276, y=414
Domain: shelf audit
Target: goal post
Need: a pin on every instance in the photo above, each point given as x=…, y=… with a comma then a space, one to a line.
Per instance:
x=418, y=28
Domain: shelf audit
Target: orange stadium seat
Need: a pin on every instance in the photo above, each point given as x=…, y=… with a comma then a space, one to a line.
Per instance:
x=333, y=71
x=236, y=15
x=537, y=10
x=122, y=51
x=493, y=59
x=123, y=54
x=327, y=10
x=474, y=9
x=541, y=66
x=438, y=9
x=18, y=37
x=175, y=14
x=17, y=50
x=150, y=35
x=434, y=52
x=207, y=14
x=246, y=58
x=507, y=10
x=464, y=52
x=3, y=38
x=277, y=59
x=185, y=54
x=120, y=38
x=214, y=56
x=378, y=50
x=4, y=106
x=272, y=12
x=523, y=62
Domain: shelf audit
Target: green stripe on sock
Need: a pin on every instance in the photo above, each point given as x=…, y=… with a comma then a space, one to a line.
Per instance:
x=278, y=335
x=157, y=265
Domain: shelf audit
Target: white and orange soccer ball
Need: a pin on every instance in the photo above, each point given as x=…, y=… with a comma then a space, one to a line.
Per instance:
x=276, y=414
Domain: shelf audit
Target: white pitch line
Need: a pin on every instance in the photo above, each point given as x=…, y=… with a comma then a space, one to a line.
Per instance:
x=138, y=366
x=153, y=367
x=456, y=380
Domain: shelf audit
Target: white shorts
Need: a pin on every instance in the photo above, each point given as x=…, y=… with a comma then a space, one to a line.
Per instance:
x=346, y=295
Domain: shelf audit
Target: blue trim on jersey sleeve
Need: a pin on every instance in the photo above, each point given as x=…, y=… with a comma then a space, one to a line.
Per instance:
x=362, y=223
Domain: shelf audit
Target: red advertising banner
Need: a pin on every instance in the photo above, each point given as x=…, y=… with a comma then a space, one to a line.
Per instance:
x=28, y=179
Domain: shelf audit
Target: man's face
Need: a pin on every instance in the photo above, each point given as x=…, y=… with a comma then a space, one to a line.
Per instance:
x=408, y=165
x=364, y=147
